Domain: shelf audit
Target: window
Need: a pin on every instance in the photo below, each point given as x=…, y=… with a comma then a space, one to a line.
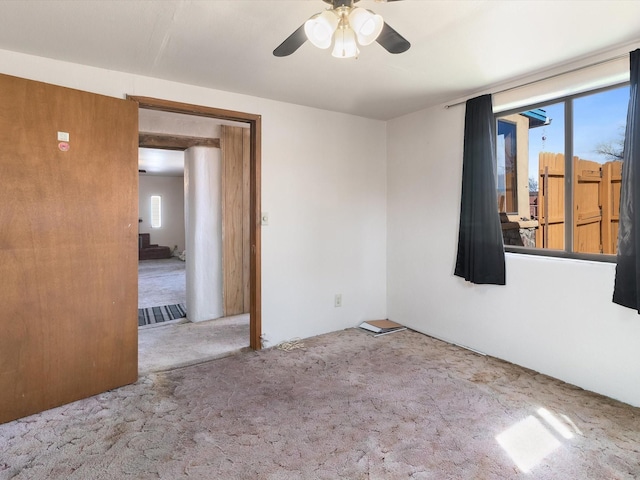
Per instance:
x=559, y=168
x=156, y=211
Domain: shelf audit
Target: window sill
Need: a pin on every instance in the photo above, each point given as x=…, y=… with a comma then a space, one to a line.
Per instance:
x=593, y=257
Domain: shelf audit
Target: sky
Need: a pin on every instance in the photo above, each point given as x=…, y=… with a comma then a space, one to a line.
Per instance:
x=597, y=118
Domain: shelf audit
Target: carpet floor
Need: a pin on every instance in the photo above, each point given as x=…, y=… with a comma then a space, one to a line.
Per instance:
x=161, y=282
x=176, y=343
x=168, y=346
x=347, y=406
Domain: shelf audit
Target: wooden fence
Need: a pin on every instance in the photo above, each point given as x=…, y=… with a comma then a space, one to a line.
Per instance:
x=596, y=204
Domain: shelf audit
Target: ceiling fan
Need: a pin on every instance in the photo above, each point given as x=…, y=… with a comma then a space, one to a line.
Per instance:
x=345, y=26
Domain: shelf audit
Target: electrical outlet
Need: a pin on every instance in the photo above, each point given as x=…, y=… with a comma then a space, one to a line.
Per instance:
x=338, y=300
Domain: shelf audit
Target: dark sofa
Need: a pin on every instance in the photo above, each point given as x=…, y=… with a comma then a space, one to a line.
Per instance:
x=149, y=251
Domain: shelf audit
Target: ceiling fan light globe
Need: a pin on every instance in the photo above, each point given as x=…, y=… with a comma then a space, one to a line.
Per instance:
x=345, y=45
x=320, y=28
x=366, y=24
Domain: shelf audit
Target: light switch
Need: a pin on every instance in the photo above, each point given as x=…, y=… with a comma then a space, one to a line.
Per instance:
x=265, y=218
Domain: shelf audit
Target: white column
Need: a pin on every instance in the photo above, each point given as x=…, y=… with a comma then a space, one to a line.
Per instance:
x=203, y=233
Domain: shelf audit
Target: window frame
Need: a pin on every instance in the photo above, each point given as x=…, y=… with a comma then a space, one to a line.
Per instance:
x=515, y=198
x=567, y=252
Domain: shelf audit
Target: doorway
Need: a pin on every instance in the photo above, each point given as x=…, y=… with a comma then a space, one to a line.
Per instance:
x=254, y=124
x=161, y=230
x=161, y=233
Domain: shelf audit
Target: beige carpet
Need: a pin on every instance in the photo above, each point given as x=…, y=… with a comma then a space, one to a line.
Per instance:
x=166, y=346
x=161, y=282
x=179, y=342
x=348, y=406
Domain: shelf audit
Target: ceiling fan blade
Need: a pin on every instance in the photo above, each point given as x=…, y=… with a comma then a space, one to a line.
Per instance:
x=292, y=43
x=392, y=41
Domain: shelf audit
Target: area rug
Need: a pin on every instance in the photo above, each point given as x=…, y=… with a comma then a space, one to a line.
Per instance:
x=165, y=313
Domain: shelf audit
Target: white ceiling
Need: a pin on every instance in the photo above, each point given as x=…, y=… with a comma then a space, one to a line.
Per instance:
x=458, y=47
x=168, y=163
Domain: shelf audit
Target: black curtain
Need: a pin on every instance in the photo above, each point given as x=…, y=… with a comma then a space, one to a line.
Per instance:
x=625, y=290
x=480, y=247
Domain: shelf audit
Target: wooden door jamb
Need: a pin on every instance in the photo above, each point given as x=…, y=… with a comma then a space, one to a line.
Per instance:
x=255, y=124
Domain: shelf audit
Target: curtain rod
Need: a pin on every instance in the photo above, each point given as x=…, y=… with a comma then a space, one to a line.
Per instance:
x=577, y=69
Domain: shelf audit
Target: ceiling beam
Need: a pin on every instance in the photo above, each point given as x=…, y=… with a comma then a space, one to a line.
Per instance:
x=174, y=142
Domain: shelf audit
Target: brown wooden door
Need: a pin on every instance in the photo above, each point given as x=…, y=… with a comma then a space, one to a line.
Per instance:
x=68, y=236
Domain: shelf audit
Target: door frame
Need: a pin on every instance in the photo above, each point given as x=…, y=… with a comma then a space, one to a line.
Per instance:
x=255, y=160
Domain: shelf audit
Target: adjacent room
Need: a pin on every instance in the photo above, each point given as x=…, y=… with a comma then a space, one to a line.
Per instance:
x=269, y=174
x=171, y=198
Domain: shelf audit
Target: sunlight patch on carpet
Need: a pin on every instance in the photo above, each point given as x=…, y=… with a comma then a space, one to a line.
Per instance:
x=528, y=442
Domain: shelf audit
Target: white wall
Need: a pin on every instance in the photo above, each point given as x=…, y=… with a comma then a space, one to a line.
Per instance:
x=171, y=189
x=323, y=184
x=554, y=316
x=326, y=199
